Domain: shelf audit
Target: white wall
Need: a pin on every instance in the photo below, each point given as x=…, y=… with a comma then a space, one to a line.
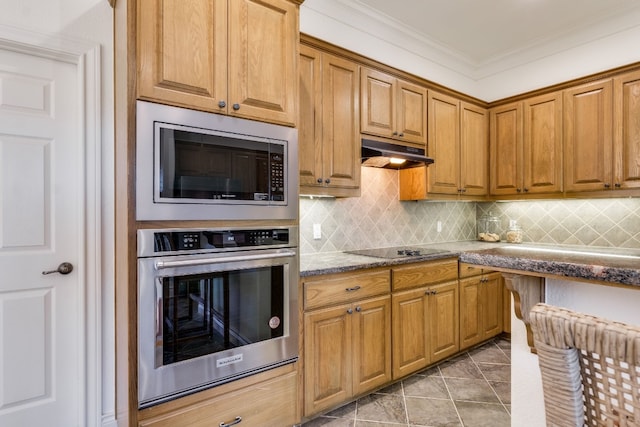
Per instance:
x=90, y=22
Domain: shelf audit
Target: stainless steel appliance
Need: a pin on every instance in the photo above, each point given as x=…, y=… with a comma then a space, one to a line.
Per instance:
x=192, y=165
x=214, y=305
x=384, y=154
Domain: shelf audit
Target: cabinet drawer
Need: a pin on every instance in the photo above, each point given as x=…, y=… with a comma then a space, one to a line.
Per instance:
x=270, y=403
x=468, y=270
x=345, y=288
x=413, y=275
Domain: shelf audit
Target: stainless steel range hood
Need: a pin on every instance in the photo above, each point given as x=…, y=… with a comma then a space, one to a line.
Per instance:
x=380, y=154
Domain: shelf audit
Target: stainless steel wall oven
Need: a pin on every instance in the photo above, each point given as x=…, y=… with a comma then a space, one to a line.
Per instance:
x=214, y=305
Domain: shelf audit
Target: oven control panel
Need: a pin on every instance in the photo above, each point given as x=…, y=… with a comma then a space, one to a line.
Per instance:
x=213, y=240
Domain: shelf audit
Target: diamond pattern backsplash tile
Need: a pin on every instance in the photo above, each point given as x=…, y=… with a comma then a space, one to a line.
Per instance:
x=379, y=219
x=588, y=222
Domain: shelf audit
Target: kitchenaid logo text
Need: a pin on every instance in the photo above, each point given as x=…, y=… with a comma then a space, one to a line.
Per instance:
x=228, y=360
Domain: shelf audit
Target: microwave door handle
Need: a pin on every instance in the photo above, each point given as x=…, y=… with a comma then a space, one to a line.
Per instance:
x=202, y=261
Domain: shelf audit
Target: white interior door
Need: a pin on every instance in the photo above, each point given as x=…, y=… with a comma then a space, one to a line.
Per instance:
x=42, y=323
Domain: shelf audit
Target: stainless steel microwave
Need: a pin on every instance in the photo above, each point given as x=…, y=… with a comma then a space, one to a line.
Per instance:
x=193, y=165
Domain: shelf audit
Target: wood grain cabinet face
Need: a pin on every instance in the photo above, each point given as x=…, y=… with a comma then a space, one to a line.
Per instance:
x=588, y=137
x=459, y=144
x=626, y=113
x=481, y=308
x=347, y=337
x=328, y=132
x=526, y=147
x=425, y=324
x=209, y=55
x=393, y=108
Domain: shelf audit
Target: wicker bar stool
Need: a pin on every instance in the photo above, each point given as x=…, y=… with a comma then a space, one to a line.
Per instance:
x=590, y=368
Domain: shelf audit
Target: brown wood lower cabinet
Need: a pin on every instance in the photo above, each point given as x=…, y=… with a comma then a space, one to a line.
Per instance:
x=424, y=317
x=347, y=346
x=268, y=399
x=481, y=306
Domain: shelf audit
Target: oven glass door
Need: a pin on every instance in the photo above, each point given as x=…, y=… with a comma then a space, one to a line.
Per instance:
x=207, y=319
x=205, y=166
x=212, y=312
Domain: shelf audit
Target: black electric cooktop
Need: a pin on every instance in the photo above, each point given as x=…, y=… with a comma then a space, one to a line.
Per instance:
x=396, y=252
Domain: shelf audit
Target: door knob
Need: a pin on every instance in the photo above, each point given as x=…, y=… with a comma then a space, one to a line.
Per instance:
x=64, y=268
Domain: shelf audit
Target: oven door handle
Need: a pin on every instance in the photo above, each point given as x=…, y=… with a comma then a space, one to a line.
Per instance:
x=202, y=261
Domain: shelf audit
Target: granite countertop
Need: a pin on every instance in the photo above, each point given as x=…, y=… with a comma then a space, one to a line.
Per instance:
x=339, y=262
x=613, y=265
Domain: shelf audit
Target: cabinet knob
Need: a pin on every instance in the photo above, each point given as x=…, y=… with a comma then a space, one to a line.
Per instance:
x=518, y=190
x=236, y=107
x=327, y=181
x=607, y=185
x=401, y=134
x=319, y=180
x=617, y=185
x=526, y=190
x=464, y=190
x=350, y=311
x=222, y=104
x=395, y=134
x=358, y=309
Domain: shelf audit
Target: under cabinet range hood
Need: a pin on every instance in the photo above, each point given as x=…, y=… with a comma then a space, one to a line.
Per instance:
x=380, y=154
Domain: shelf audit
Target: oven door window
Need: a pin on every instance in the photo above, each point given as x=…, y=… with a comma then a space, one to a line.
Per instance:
x=207, y=313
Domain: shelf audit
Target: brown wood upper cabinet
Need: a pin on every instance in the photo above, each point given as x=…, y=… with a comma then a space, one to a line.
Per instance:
x=526, y=146
x=210, y=55
x=458, y=142
x=393, y=108
x=328, y=132
x=602, y=132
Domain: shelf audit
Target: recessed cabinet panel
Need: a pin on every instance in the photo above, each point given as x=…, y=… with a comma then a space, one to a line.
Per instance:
x=310, y=119
x=505, y=138
x=542, y=144
x=627, y=130
x=588, y=137
x=444, y=144
x=474, y=150
x=378, y=106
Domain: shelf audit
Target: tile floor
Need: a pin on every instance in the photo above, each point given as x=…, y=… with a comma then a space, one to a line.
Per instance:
x=471, y=390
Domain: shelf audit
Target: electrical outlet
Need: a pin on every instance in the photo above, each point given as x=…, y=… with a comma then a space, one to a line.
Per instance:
x=317, y=232
x=439, y=226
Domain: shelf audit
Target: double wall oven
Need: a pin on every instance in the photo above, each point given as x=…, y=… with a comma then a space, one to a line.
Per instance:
x=214, y=303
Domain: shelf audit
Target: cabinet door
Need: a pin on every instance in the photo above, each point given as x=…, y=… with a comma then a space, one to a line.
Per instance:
x=474, y=150
x=340, y=133
x=372, y=344
x=444, y=320
x=505, y=143
x=182, y=52
x=444, y=144
x=410, y=334
x=263, y=58
x=328, y=356
x=310, y=119
x=626, y=111
x=471, y=330
x=412, y=113
x=588, y=137
x=492, y=309
x=378, y=106
x=542, y=144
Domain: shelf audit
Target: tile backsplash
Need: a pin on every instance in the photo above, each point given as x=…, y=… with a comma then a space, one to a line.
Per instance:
x=378, y=219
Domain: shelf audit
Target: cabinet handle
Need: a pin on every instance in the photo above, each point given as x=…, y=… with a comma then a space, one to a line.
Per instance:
x=355, y=288
x=222, y=104
x=430, y=292
x=236, y=107
x=358, y=309
x=350, y=311
x=237, y=420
